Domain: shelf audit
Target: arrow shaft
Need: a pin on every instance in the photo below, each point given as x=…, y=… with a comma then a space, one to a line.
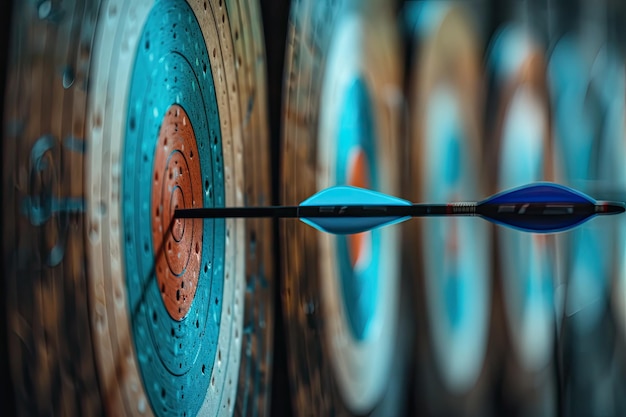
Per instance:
x=337, y=211
x=415, y=210
x=238, y=212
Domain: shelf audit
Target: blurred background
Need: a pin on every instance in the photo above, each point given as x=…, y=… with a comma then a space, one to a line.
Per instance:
x=486, y=95
x=526, y=91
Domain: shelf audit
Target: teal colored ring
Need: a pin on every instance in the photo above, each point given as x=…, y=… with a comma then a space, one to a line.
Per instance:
x=450, y=145
x=567, y=72
x=172, y=67
x=448, y=168
x=357, y=128
x=455, y=293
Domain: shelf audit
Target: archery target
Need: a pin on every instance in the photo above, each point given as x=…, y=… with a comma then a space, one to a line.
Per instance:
x=609, y=76
x=159, y=107
x=585, y=77
x=348, y=154
x=580, y=141
x=445, y=164
x=341, y=127
x=526, y=261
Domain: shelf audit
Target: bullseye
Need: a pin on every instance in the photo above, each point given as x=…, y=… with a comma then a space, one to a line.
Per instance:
x=177, y=184
x=359, y=244
x=177, y=201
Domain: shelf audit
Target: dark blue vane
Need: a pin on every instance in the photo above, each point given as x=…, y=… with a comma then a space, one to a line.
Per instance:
x=543, y=208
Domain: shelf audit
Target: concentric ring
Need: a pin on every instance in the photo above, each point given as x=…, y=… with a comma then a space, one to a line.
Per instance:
x=358, y=255
x=177, y=184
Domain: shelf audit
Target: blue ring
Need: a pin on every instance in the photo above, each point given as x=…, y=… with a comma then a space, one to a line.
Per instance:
x=172, y=67
x=357, y=128
x=449, y=166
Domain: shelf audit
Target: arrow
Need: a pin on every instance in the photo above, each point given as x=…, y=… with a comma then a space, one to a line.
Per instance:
x=538, y=208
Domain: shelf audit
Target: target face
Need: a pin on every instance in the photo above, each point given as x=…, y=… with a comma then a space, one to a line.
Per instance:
x=526, y=260
x=341, y=127
x=172, y=317
x=358, y=300
x=445, y=149
x=173, y=158
x=455, y=252
x=587, y=125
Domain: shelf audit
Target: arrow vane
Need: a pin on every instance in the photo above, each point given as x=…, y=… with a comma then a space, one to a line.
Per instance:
x=538, y=208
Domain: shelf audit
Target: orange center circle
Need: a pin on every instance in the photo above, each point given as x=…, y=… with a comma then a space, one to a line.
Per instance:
x=358, y=176
x=177, y=184
x=177, y=201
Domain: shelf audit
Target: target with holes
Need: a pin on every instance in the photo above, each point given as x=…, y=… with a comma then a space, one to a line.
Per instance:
x=446, y=164
x=117, y=114
x=342, y=301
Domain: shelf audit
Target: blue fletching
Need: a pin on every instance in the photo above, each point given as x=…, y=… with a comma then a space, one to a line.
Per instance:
x=542, y=225
x=344, y=195
x=541, y=192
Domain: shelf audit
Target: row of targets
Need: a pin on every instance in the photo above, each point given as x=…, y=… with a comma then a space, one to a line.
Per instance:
x=434, y=317
x=454, y=101
x=586, y=74
x=516, y=322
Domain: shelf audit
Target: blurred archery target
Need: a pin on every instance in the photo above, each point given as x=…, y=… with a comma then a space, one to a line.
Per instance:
x=342, y=108
x=526, y=263
x=160, y=107
x=445, y=164
x=610, y=79
x=582, y=133
x=524, y=150
x=587, y=83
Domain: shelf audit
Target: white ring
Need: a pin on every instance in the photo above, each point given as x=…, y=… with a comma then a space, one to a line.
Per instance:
x=460, y=351
x=531, y=315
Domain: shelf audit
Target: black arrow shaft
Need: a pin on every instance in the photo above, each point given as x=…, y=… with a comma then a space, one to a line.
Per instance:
x=238, y=212
x=416, y=210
